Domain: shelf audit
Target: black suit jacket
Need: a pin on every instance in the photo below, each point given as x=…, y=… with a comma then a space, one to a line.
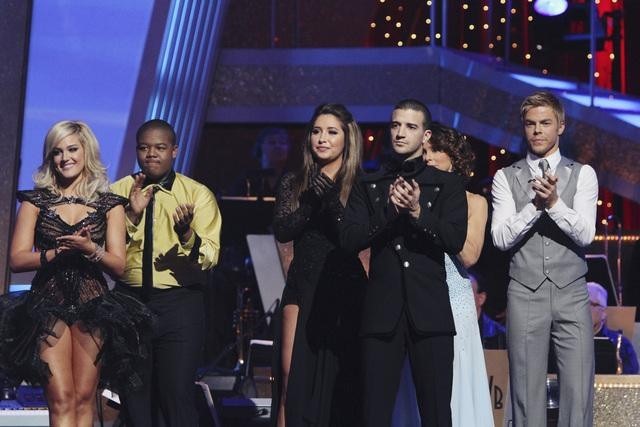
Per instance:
x=407, y=256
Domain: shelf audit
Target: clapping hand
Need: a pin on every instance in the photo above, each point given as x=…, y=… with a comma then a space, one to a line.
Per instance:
x=319, y=184
x=546, y=194
x=79, y=241
x=138, y=199
x=405, y=196
x=182, y=218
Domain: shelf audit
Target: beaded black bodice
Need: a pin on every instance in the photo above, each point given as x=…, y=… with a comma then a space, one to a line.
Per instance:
x=70, y=279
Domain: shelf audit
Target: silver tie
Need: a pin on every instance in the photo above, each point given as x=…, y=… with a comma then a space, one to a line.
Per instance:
x=543, y=164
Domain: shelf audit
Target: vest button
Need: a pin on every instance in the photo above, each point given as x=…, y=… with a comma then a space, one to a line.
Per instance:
x=546, y=272
x=398, y=247
x=546, y=243
x=405, y=264
x=546, y=258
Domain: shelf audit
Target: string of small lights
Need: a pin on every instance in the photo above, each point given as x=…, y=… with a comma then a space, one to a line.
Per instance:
x=551, y=44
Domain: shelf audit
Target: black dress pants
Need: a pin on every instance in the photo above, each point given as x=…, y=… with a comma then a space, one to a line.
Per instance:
x=431, y=358
x=167, y=398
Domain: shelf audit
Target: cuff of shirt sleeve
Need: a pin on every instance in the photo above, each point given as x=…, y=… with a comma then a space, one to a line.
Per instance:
x=558, y=209
x=188, y=245
x=424, y=224
x=419, y=222
x=131, y=227
x=531, y=211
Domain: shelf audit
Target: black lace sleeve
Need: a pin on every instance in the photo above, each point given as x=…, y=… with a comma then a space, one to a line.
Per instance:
x=37, y=197
x=289, y=221
x=108, y=201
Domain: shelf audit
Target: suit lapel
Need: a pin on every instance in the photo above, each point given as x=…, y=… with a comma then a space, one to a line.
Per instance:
x=563, y=172
x=522, y=177
x=431, y=184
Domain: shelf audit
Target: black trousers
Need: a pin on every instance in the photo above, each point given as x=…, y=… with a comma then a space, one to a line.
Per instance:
x=431, y=358
x=167, y=398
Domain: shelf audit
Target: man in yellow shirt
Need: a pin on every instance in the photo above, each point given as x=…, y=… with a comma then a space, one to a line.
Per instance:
x=173, y=238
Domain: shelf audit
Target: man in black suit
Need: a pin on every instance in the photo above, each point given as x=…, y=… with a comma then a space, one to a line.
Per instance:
x=410, y=214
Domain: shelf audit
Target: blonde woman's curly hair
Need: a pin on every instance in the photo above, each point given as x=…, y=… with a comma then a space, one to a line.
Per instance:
x=94, y=174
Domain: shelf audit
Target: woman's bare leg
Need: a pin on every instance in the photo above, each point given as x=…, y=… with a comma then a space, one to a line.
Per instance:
x=85, y=373
x=289, y=323
x=60, y=391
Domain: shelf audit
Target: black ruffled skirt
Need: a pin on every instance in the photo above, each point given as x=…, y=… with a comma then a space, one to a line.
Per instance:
x=118, y=322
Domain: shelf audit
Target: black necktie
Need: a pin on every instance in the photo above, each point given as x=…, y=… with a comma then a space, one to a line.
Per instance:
x=147, y=251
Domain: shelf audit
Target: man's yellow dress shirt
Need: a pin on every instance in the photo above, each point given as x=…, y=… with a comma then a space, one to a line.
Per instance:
x=175, y=264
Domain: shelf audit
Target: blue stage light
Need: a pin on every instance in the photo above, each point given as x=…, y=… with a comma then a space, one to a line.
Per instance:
x=550, y=7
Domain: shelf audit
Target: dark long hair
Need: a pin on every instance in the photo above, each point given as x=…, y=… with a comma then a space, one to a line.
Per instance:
x=351, y=154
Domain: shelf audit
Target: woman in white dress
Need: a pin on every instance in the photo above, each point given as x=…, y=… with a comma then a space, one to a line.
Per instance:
x=448, y=150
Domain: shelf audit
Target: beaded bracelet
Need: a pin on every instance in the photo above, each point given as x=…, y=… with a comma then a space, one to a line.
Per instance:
x=97, y=254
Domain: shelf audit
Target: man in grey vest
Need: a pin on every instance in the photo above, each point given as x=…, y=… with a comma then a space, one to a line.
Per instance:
x=544, y=213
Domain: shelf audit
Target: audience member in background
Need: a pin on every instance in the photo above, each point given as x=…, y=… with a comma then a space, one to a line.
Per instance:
x=492, y=333
x=272, y=151
x=316, y=345
x=493, y=262
x=598, y=299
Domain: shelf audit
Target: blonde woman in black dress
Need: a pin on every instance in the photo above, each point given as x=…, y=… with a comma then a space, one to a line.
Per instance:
x=69, y=331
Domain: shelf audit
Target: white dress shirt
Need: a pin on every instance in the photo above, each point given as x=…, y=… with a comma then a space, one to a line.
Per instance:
x=508, y=227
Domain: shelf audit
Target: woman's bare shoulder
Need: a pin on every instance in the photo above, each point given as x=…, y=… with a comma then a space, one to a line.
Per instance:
x=476, y=201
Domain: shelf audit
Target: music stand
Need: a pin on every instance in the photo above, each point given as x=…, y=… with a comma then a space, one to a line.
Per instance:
x=241, y=216
x=245, y=215
x=268, y=269
x=599, y=271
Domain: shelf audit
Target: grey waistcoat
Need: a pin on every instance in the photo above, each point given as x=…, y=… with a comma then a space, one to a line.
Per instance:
x=545, y=252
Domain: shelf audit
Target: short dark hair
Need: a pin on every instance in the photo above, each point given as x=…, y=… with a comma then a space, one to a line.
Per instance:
x=156, y=124
x=414, y=104
x=479, y=279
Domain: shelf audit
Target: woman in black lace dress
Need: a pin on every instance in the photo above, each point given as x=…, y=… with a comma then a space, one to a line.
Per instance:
x=69, y=331
x=316, y=373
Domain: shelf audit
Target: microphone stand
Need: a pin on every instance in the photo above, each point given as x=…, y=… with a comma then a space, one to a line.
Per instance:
x=618, y=284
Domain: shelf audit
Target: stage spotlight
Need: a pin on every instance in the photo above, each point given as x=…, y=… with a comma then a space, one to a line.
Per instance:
x=551, y=7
